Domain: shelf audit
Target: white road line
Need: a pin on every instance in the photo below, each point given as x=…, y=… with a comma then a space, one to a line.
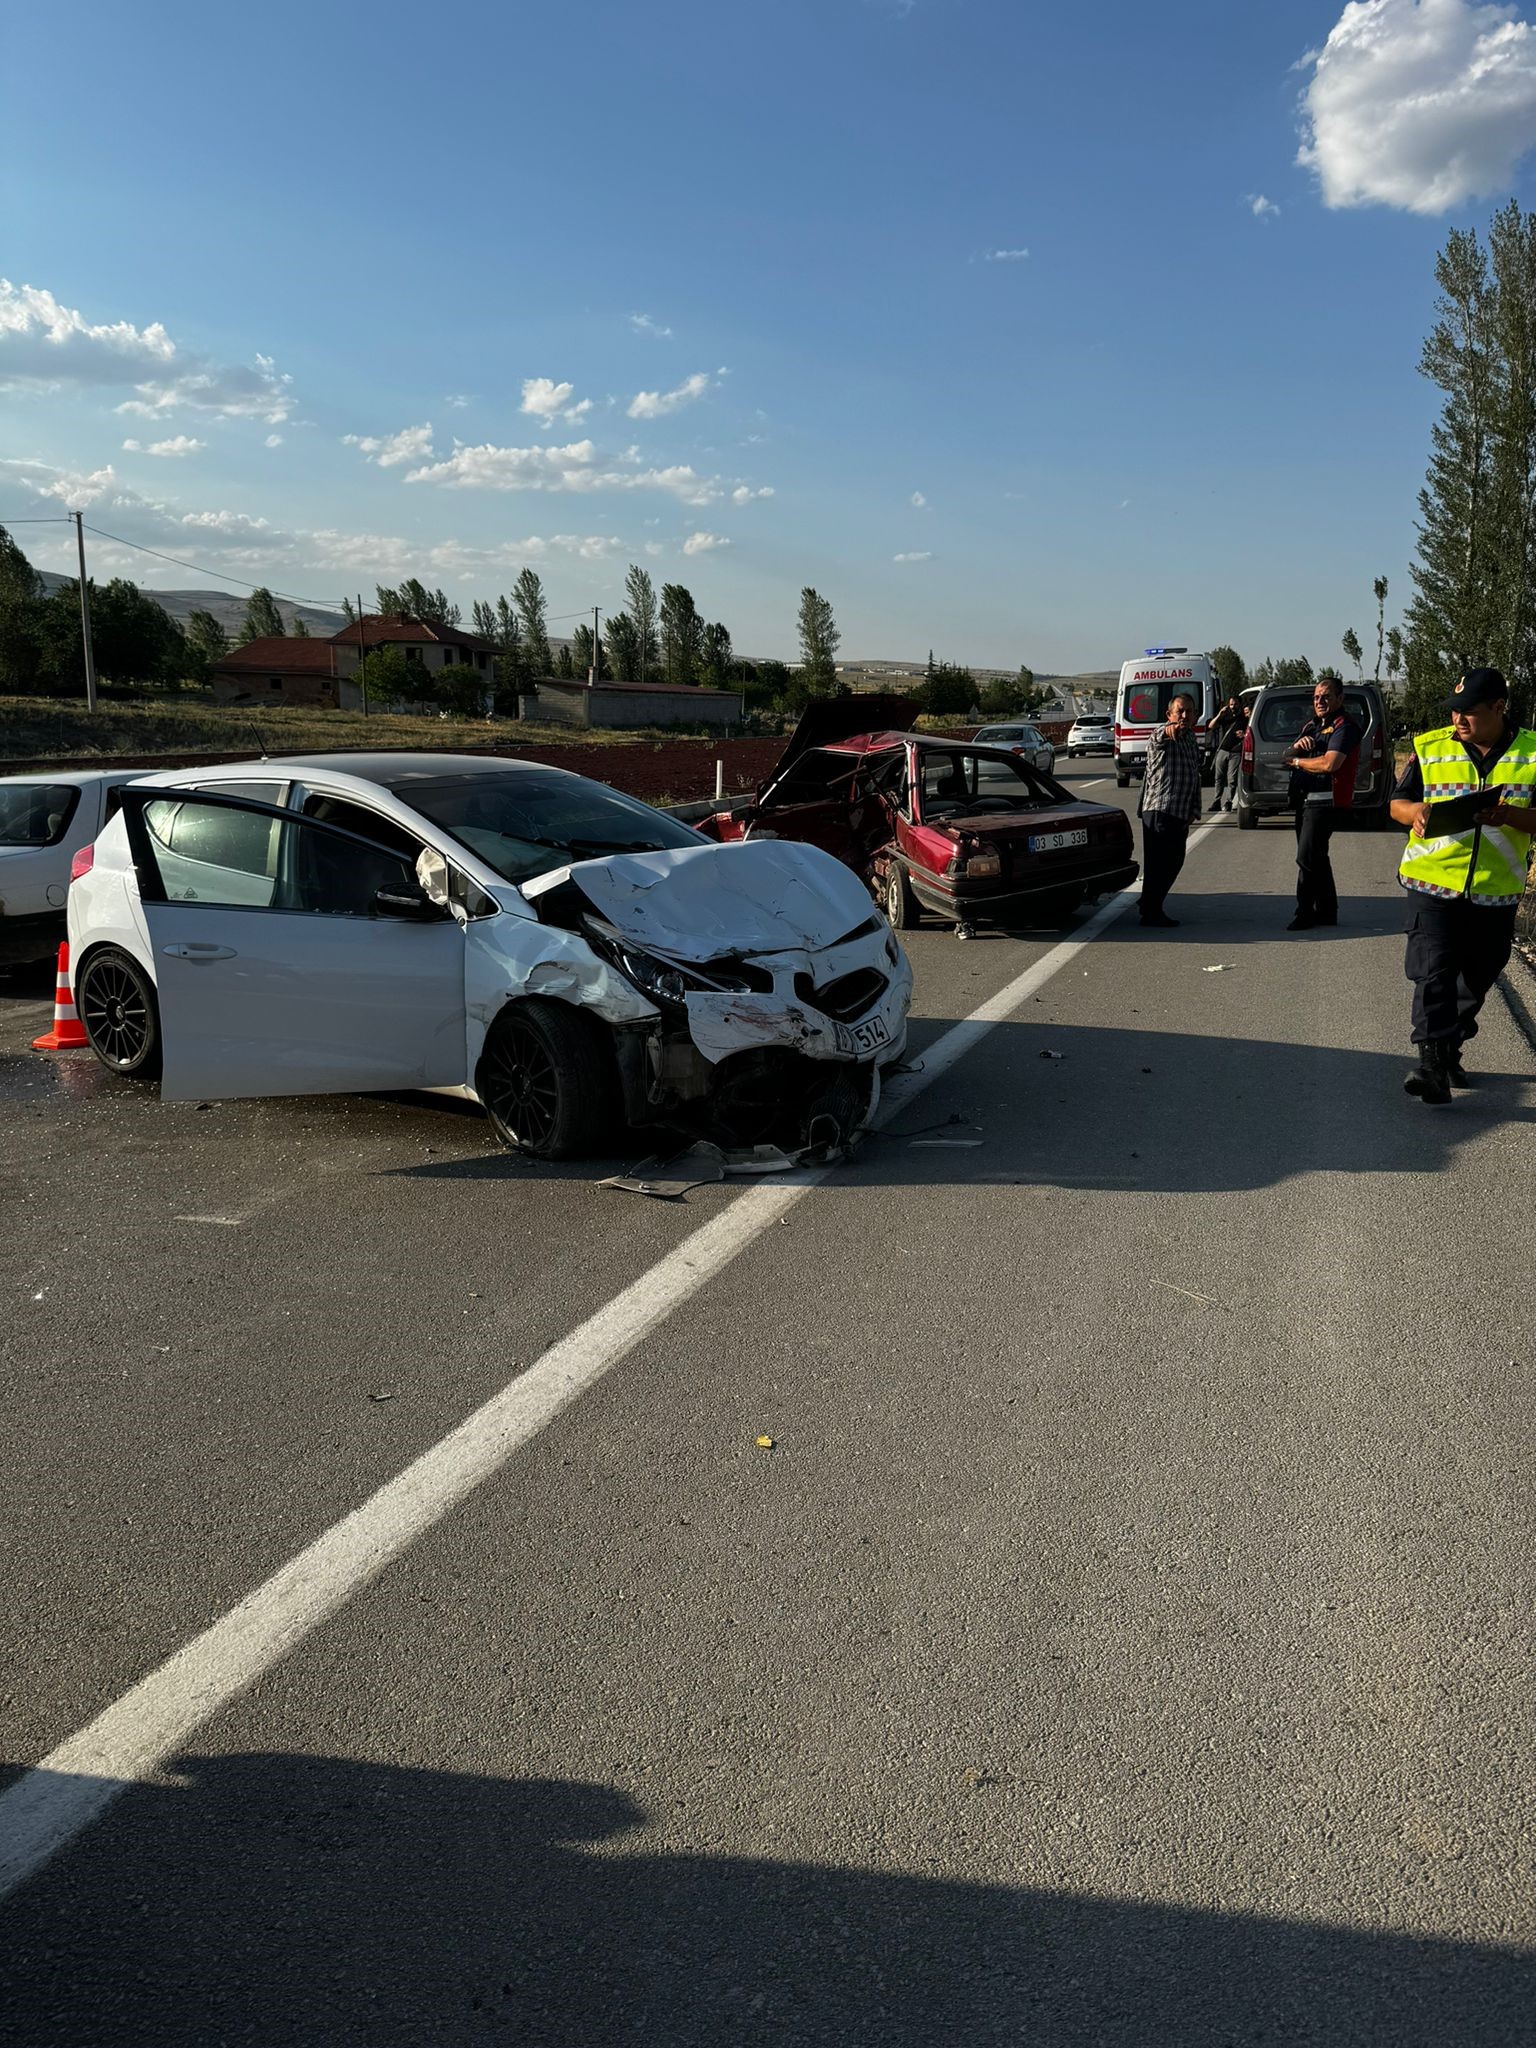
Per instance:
x=75, y=1783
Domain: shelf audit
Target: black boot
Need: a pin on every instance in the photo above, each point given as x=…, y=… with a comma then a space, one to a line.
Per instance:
x=1429, y=1080
x=1455, y=1072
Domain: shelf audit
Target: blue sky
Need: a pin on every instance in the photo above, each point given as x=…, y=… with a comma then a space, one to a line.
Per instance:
x=351, y=255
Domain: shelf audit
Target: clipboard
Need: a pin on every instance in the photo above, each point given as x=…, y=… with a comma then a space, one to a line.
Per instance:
x=1458, y=813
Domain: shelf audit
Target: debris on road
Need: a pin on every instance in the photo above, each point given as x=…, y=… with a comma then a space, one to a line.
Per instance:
x=1189, y=1294
x=765, y=1443
x=1223, y=967
x=384, y=1394
x=1049, y=1055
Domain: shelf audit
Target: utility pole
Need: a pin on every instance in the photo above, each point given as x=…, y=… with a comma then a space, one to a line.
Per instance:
x=597, y=653
x=85, y=616
x=362, y=671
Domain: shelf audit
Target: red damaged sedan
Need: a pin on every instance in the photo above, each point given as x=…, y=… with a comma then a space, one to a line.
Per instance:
x=965, y=832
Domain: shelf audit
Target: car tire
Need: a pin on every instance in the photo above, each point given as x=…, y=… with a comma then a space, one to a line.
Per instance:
x=547, y=1081
x=1247, y=818
x=115, y=1002
x=901, y=911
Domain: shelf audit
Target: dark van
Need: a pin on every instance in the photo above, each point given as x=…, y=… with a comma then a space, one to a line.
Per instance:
x=1276, y=716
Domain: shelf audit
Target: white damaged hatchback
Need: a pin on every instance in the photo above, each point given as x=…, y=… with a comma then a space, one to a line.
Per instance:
x=569, y=957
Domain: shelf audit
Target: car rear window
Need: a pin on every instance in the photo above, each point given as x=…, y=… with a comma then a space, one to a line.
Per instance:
x=1281, y=718
x=953, y=783
x=36, y=813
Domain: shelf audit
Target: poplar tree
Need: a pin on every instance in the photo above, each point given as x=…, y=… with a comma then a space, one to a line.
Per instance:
x=819, y=641
x=262, y=620
x=640, y=597
x=533, y=616
x=682, y=634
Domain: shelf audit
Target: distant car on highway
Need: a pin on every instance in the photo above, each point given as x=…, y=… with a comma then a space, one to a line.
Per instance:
x=1091, y=733
x=44, y=821
x=1027, y=740
x=1276, y=715
x=568, y=957
x=948, y=828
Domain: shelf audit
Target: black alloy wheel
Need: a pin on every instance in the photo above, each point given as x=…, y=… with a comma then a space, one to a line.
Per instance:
x=548, y=1081
x=116, y=1005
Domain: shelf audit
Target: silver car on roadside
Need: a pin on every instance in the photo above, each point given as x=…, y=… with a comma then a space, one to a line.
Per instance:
x=1020, y=738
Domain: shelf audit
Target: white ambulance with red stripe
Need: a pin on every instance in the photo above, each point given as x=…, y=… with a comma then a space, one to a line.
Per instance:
x=1148, y=686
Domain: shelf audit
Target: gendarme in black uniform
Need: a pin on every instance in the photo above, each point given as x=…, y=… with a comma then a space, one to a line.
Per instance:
x=1318, y=796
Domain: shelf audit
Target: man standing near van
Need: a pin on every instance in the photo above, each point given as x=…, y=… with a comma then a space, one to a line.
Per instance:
x=1468, y=798
x=1170, y=802
x=1327, y=753
x=1227, y=729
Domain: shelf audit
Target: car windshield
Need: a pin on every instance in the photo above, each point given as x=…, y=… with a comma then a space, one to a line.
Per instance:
x=955, y=784
x=532, y=820
x=36, y=813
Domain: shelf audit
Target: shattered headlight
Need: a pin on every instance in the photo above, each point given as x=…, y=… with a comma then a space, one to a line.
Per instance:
x=661, y=979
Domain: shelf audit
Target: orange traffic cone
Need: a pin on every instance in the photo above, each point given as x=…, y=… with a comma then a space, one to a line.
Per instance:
x=68, y=1033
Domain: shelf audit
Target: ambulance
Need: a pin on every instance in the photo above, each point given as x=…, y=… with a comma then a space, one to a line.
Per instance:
x=1148, y=686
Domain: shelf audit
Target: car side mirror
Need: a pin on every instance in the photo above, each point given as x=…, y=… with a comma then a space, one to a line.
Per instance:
x=407, y=900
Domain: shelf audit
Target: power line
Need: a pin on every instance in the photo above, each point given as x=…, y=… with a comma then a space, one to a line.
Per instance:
x=219, y=575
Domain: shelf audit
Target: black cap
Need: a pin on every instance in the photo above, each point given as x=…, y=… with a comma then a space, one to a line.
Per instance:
x=1477, y=686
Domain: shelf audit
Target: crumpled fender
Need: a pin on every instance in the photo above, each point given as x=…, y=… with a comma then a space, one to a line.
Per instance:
x=507, y=958
x=722, y=1024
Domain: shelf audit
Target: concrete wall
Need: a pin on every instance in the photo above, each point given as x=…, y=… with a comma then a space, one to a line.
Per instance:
x=561, y=703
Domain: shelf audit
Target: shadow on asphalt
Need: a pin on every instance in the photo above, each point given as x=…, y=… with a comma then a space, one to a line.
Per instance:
x=1154, y=1111
x=292, y=1899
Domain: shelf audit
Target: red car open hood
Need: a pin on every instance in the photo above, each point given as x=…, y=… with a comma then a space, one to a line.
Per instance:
x=826, y=720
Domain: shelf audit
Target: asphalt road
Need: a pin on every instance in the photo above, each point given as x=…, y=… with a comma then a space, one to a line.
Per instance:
x=1126, y=1640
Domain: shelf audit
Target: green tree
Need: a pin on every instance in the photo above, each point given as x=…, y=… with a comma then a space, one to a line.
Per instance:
x=1379, y=592
x=533, y=616
x=1455, y=570
x=1230, y=672
x=300, y=630
x=819, y=642
x=949, y=692
x=621, y=643
x=715, y=656
x=392, y=677
x=1002, y=697
x=562, y=665
x=412, y=600
x=207, y=643
x=21, y=619
x=1394, y=651
x=263, y=620
x=682, y=634
x=1351, y=646
x=640, y=597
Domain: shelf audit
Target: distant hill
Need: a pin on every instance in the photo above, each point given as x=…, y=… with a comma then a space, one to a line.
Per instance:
x=229, y=611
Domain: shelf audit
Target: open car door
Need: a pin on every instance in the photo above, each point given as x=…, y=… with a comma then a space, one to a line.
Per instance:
x=291, y=957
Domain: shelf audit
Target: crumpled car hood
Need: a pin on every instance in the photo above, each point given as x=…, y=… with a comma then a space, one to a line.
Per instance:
x=699, y=902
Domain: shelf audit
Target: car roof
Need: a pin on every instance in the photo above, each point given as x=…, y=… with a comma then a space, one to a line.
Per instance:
x=80, y=778
x=397, y=769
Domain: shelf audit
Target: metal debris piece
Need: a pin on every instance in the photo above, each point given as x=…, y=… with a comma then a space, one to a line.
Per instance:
x=1049, y=1055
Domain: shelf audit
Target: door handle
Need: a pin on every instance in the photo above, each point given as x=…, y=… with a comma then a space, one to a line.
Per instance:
x=193, y=950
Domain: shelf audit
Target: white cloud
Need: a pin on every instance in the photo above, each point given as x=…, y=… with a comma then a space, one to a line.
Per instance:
x=644, y=324
x=918, y=501
x=745, y=495
x=457, y=399
x=654, y=405
x=51, y=347
x=1004, y=255
x=575, y=466
x=914, y=555
x=274, y=441
x=704, y=543
x=545, y=400
x=411, y=444
x=253, y=548
x=1262, y=208
x=1419, y=104
x=179, y=444
x=654, y=547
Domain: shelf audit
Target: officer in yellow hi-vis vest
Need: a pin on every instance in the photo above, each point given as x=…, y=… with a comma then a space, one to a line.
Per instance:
x=1468, y=798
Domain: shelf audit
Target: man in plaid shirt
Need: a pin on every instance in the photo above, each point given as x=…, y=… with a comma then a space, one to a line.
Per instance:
x=1170, y=802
